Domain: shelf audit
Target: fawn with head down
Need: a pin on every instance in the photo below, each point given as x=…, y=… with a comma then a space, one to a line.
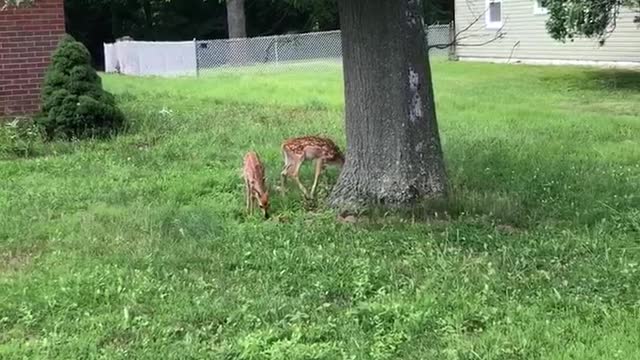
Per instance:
x=255, y=187
x=322, y=151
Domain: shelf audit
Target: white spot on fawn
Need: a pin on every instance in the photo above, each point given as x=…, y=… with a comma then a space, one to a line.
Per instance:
x=415, y=110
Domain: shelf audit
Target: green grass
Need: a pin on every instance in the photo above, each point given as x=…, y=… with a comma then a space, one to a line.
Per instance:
x=138, y=247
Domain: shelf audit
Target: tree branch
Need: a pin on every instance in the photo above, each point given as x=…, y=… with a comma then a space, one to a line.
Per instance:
x=614, y=24
x=499, y=34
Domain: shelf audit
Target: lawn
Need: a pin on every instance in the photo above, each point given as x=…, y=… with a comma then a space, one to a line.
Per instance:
x=138, y=247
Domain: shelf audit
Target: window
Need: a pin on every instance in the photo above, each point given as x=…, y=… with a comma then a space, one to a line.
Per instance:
x=539, y=7
x=493, y=16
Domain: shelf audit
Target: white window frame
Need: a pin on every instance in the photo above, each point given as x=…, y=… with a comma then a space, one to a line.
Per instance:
x=487, y=16
x=538, y=9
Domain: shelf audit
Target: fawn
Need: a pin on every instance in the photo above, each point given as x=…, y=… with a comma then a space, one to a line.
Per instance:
x=322, y=151
x=255, y=188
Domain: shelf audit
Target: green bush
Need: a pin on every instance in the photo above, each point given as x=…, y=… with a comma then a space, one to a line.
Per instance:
x=74, y=104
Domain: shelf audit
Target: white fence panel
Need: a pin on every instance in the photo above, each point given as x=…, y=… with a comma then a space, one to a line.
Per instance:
x=110, y=58
x=151, y=58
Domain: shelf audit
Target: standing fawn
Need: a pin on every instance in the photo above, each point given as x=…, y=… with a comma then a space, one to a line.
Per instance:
x=322, y=151
x=254, y=180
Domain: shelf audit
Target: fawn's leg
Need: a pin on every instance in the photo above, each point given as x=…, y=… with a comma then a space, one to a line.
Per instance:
x=283, y=177
x=247, y=195
x=255, y=203
x=294, y=175
x=285, y=171
x=252, y=200
x=319, y=164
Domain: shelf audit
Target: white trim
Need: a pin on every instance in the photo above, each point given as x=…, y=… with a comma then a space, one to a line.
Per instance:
x=487, y=16
x=539, y=10
x=592, y=63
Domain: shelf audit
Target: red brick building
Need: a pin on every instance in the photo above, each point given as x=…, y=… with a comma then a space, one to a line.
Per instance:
x=28, y=36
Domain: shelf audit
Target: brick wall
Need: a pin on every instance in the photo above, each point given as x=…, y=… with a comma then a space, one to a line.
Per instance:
x=28, y=36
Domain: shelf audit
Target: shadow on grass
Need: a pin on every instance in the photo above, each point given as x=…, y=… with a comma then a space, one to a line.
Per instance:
x=598, y=80
x=524, y=187
x=611, y=79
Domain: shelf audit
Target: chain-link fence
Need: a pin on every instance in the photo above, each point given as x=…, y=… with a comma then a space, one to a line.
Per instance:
x=272, y=51
x=440, y=34
x=310, y=51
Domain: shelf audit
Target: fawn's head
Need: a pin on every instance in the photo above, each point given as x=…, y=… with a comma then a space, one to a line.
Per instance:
x=263, y=202
x=338, y=160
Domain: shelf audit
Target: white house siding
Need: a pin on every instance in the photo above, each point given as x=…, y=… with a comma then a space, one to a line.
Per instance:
x=527, y=39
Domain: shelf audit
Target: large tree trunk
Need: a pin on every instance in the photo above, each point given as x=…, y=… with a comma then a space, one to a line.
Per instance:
x=236, y=19
x=394, y=158
x=237, y=26
x=148, y=20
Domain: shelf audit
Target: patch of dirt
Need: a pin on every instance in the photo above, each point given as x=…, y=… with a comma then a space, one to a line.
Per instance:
x=15, y=261
x=507, y=229
x=352, y=219
x=349, y=219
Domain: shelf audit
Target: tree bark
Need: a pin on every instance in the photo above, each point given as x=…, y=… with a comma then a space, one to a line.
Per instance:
x=148, y=20
x=394, y=157
x=236, y=21
x=237, y=27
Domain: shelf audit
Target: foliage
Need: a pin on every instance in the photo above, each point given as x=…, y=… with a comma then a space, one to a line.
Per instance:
x=19, y=137
x=438, y=11
x=589, y=18
x=323, y=15
x=5, y=4
x=73, y=102
x=95, y=22
x=139, y=248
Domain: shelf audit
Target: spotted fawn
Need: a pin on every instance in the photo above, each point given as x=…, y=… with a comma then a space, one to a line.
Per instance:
x=322, y=151
x=255, y=187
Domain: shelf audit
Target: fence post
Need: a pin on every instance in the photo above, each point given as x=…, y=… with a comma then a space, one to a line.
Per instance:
x=452, y=38
x=195, y=50
x=276, y=50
